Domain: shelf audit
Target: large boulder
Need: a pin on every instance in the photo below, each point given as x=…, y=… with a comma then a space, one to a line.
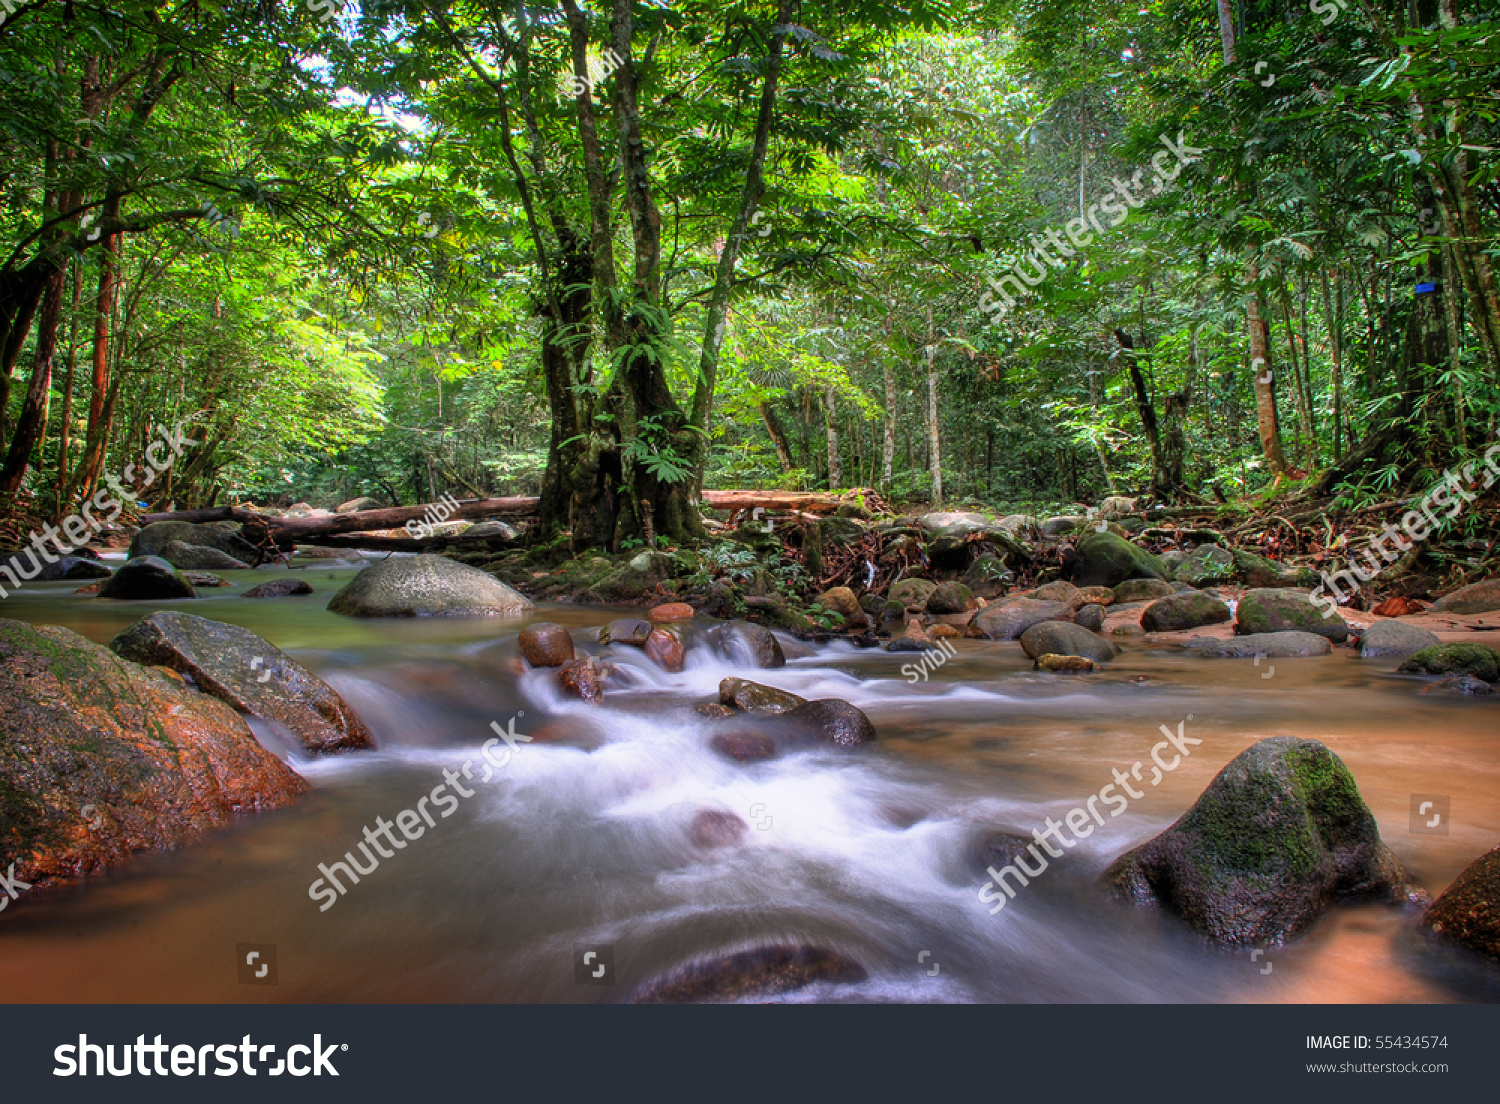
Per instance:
x=427, y=586
x=746, y=642
x=1064, y=638
x=1205, y=565
x=1474, y=598
x=147, y=579
x=752, y=697
x=1012, y=618
x=199, y=557
x=61, y=569
x=834, y=721
x=950, y=598
x=1091, y=617
x=1142, y=590
x=1059, y=591
x=842, y=601
x=1279, y=835
x=911, y=593
x=1468, y=912
x=1274, y=610
x=278, y=588
x=1184, y=611
x=249, y=673
x=154, y=538
x=1393, y=638
x=101, y=758
x=1277, y=645
x=1105, y=559
x=1257, y=571
x=761, y=971
x=1481, y=661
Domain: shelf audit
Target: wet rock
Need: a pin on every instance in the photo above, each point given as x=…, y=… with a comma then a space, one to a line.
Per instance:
x=841, y=600
x=427, y=586
x=671, y=611
x=1461, y=685
x=1066, y=639
x=278, y=588
x=626, y=630
x=752, y=697
x=198, y=557
x=1276, y=838
x=1277, y=645
x=1474, y=598
x=907, y=644
x=1143, y=590
x=911, y=593
x=758, y=972
x=147, y=578
x=744, y=747
x=1059, y=591
x=1468, y=911
x=950, y=598
x=748, y=642
x=664, y=647
x=1479, y=660
x=101, y=758
x=546, y=644
x=713, y=828
x=1272, y=611
x=92, y=588
x=1184, y=611
x=1097, y=596
x=154, y=538
x=200, y=579
x=28, y=566
x=582, y=678
x=1107, y=560
x=249, y=673
x=938, y=632
x=1013, y=617
x=1392, y=638
x=835, y=721
x=1065, y=663
x=715, y=710
x=1205, y=565
x=1091, y=617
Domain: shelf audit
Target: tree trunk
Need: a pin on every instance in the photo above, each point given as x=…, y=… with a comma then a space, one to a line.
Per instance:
x=831, y=425
x=934, y=440
x=888, y=452
x=32, y=423
x=778, y=436
x=1265, y=380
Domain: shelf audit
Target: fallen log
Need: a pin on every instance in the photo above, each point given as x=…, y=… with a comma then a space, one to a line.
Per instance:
x=807, y=502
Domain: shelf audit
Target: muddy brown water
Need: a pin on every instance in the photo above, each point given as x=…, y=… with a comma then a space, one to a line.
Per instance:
x=584, y=838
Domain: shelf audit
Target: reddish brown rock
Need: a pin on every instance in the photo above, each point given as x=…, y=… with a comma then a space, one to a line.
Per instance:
x=744, y=747
x=546, y=644
x=665, y=648
x=672, y=611
x=713, y=709
x=581, y=678
x=716, y=828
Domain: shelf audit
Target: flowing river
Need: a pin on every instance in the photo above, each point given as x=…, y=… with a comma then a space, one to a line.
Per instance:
x=585, y=838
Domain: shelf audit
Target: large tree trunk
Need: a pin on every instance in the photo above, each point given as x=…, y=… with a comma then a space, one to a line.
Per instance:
x=831, y=428
x=888, y=453
x=778, y=436
x=1265, y=380
x=934, y=436
x=32, y=423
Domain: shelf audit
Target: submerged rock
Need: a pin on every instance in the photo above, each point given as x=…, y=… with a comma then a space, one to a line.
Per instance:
x=1392, y=638
x=28, y=566
x=1461, y=685
x=1064, y=638
x=713, y=828
x=665, y=648
x=1276, y=645
x=1013, y=617
x=427, y=586
x=148, y=579
x=835, y=721
x=249, y=673
x=1279, y=835
x=1184, y=611
x=758, y=972
x=752, y=697
x=582, y=678
x=747, y=642
x=546, y=644
x=101, y=758
x=1274, y=611
x=200, y=579
x=278, y=588
x=1468, y=911
x=744, y=747
x=1482, y=661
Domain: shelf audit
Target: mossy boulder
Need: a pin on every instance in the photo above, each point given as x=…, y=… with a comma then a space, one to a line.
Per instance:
x=1279, y=835
x=1468, y=911
x=949, y=598
x=842, y=601
x=147, y=579
x=249, y=673
x=911, y=593
x=1063, y=638
x=1277, y=645
x=154, y=538
x=987, y=576
x=1142, y=590
x=1184, y=611
x=752, y=697
x=427, y=586
x=1205, y=565
x=199, y=557
x=1274, y=610
x=1105, y=559
x=102, y=758
x=1482, y=661
x=1257, y=571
